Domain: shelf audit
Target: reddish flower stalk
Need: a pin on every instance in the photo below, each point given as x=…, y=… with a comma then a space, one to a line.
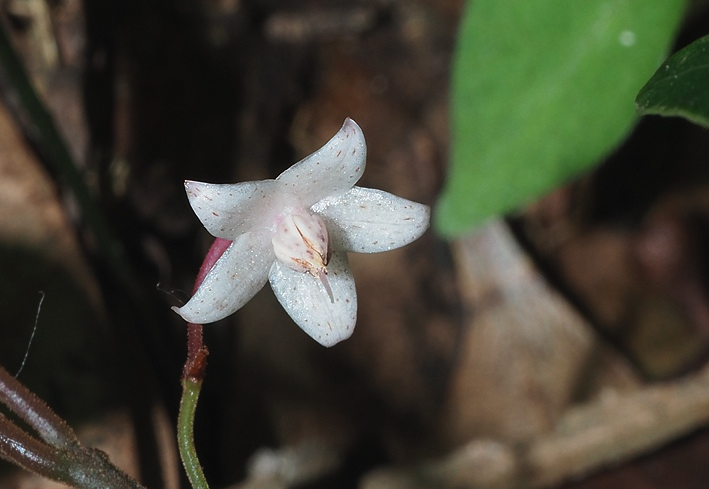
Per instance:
x=196, y=351
x=192, y=376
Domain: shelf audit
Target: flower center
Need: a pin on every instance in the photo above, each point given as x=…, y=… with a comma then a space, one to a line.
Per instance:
x=301, y=243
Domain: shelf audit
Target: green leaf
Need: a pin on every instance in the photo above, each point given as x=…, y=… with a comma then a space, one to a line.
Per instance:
x=541, y=91
x=679, y=86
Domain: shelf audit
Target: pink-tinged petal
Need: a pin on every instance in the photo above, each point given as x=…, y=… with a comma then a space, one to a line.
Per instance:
x=215, y=253
x=228, y=210
x=367, y=220
x=234, y=279
x=328, y=317
x=331, y=170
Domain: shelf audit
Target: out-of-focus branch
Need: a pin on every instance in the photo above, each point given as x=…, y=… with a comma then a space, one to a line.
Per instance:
x=55, y=150
x=587, y=438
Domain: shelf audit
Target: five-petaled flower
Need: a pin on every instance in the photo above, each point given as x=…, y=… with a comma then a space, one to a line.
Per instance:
x=295, y=231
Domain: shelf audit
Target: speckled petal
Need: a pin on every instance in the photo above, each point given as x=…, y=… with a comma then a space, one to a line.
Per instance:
x=307, y=301
x=228, y=210
x=331, y=170
x=233, y=280
x=367, y=220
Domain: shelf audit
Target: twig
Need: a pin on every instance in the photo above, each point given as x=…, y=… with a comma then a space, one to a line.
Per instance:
x=59, y=456
x=20, y=400
x=27, y=452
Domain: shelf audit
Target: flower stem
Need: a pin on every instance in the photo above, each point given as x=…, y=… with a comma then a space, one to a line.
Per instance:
x=185, y=432
x=194, y=365
x=192, y=376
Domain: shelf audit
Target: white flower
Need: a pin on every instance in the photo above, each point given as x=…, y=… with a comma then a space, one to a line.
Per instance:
x=294, y=231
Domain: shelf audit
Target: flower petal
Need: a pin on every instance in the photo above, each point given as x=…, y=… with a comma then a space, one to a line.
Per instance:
x=367, y=220
x=331, y=170
x=307, y=301
x=233, y=280
x=228, y=210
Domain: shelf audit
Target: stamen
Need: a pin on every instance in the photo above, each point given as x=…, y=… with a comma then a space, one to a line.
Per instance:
x=322, y=275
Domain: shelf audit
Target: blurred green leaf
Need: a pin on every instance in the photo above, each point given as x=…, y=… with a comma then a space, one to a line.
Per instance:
x=680, y=86
x=541, y=91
